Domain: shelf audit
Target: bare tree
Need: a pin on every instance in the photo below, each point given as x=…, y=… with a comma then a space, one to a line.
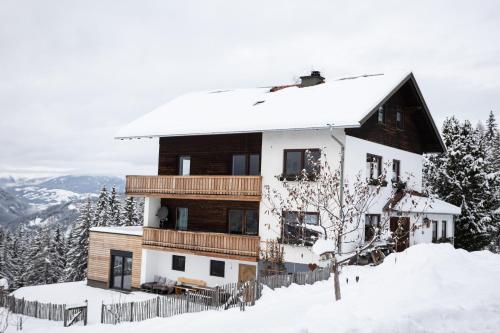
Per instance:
x=341, y=207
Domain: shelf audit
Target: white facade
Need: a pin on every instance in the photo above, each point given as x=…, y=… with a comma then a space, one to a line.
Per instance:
x=196, y=267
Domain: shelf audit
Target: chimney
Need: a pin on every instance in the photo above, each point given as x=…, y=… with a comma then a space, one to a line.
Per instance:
x=311, y=80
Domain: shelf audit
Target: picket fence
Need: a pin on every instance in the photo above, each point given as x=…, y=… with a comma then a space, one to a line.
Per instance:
x=220, y=298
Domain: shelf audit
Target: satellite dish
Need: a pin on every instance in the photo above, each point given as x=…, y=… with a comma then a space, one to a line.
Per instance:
x=162, y=213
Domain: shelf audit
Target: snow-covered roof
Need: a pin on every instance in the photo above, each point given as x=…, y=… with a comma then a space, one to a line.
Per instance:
x=341, y=103
x=134, y=230
x=420, y=204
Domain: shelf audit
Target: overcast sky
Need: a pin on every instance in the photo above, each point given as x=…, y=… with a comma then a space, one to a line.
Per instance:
x=73, y=72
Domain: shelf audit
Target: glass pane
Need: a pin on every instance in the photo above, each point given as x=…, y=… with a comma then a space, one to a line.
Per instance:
x=312, y=161
x=239, y=165
x=311, y=219
x=184, y=165
x=293, y=163
x=236, y=221
x=182, y=218
x=127, y=273
x=217, y=268
x=252, y=222
x=254, y=169
x=291, y=218
x=117, y=271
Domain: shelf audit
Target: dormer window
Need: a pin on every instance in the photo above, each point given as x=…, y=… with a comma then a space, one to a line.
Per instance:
x=381, y=115
x=400, y=120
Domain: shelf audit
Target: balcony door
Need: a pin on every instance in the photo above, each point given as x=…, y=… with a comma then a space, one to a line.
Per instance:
x=184, y=165
x=121, y=270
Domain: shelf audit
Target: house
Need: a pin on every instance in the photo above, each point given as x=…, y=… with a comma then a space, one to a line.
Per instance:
x=204, y=218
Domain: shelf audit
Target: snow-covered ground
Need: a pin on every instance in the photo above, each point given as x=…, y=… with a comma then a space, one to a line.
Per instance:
x=428, y=288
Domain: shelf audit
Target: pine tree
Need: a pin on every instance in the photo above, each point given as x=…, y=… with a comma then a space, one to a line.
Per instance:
x=129, y=214
x=491, y=127
x=15, y=259
x=39, y=266
x=57, y=256
x=78, y=246
x=101, y=215
x=114, y=208
x=460, y=177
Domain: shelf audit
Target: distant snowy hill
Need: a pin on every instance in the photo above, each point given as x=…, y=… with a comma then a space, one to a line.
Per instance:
x=11, y=207
x=37, y=201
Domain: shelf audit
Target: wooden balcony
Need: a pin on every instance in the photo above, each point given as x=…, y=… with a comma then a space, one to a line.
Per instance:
x=240, y=188
x=204, y=243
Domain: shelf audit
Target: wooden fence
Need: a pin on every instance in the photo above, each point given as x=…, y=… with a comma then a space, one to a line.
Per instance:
x=220, y=298
x=49, y=311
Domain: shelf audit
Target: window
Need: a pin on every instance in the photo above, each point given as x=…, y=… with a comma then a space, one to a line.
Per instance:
x=243, y=222
x=217, y=268
x=372, y=222
x=246, y=164
x=373, y=166
x=396, y=165
x=184, y=165
x=182, y=218
x=381, y=115
x=443, y=229
x=434, y=231
x=121, y=270
x=400, y=120
x=297, y=228
x=178, y=263
x=296, y=160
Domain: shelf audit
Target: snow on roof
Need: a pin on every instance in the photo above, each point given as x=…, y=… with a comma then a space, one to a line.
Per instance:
x=340, y=103
x=134, y=230
x=419, y=204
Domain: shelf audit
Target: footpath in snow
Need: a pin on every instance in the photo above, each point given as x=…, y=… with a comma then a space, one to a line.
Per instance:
x=427, y=288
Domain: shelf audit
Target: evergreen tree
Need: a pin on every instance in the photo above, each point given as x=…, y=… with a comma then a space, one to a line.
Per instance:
x=101, y=214
x=78, y=246
x=15, y=259
x=57, y=256
x=129, y=214
x=114, y=208
x=460, y=176
x=39, y=266
x=491, y=127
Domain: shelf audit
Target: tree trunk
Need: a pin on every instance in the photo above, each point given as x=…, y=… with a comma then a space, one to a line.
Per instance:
x=336, y=280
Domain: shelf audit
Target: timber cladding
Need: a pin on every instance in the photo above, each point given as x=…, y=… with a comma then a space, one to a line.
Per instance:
x=100, y=246
x=210, y=154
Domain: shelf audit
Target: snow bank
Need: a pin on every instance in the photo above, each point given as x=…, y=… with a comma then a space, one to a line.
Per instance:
x=427, y=288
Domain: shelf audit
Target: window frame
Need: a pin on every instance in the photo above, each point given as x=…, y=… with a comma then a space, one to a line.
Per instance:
x=243, y=222
x=247, y=163
x=398, y=171
x=302, y=165
x=380, y=111
x=434, y=230
x=213, y=268
x=444, y=229
x=300, y=224
x=379, y=165
x=177, y=215
x=400, y=125
x=369, y=216
x=174, y=257
x=180, y=165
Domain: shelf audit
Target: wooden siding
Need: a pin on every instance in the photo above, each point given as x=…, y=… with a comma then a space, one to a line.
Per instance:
x=246, y=188
x=204, y=215
x=206, y=242
x=100, y=246
x=210, y=154
x=417, y=136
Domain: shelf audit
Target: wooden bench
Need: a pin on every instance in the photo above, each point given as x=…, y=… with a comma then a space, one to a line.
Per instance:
x=187, y=284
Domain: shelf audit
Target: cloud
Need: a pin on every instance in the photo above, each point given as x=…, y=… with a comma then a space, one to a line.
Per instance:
x=73, y=72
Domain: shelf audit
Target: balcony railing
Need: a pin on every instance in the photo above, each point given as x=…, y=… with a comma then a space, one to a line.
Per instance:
x=196, y=187
x=206, y=242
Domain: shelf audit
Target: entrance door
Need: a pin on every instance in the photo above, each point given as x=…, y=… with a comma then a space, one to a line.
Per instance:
x=400, y=228
x=246, y=273
x=121, y=270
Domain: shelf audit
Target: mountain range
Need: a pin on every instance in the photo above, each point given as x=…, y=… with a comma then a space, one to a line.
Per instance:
x=34, y=202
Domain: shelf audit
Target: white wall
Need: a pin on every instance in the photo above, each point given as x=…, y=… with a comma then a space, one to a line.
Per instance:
x=197, y=267
x=423, y=234
x=273, y=146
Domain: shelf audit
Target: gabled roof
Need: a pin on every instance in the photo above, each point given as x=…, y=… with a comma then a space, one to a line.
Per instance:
x=345, y=102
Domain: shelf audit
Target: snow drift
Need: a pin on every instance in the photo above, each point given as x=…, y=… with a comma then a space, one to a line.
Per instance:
x=427, y=288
